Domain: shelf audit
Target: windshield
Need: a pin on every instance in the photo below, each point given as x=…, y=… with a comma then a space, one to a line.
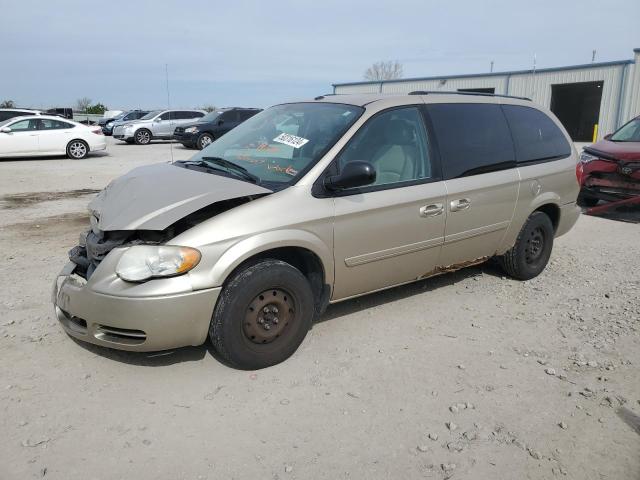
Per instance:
x=282, y=141
x=628, y=133
x=211, y=116
x=150, y=115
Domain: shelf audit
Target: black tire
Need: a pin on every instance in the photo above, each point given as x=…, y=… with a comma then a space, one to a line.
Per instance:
x=587, y=201
x=530, y=254
x=77, y=149
x=204, y=140
x=142, y=137
x=236, y=331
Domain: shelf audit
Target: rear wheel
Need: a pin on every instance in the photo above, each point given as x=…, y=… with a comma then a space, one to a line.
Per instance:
x=530, y=254
x=204, y=141
x=263, y=314
x=77, y=149
x=142, y=137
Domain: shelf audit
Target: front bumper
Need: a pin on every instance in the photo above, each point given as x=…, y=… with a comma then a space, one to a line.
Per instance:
x=132, y=323
x=187, y=139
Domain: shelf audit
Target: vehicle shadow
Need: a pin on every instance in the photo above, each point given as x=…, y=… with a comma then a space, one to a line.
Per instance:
x=333, y=312
x=401, y=292
x=623, y=213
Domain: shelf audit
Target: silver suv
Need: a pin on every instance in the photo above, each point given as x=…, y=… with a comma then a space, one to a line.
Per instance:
x=158, y=124
x=311, y=203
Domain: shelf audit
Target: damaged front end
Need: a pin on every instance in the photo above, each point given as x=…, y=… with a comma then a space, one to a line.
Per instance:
x=607, y=179
x=95, y=244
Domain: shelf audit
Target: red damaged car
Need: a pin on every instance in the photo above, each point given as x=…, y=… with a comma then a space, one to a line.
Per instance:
x=609, y=170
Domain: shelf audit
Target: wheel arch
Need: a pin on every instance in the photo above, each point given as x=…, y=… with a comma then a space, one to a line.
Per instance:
x=301, y=249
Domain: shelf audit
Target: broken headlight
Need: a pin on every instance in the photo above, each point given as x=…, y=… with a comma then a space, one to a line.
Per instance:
x=143, y=262
x=586, y=157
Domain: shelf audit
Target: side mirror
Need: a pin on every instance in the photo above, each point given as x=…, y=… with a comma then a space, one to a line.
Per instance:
x=608, y=136
x=5, y=130
x=157, y=119
x=220, y=122
x=354, y=174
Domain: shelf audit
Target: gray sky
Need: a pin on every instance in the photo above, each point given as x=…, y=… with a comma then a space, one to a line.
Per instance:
x=256, y=53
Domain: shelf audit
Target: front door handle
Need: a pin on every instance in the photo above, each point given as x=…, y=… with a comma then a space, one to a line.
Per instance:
x=461, y=204
x=432, y=210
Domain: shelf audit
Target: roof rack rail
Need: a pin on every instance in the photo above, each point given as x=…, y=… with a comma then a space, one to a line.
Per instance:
x=480, y=94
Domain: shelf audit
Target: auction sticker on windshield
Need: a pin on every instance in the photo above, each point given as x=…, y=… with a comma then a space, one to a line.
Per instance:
x=291, y=140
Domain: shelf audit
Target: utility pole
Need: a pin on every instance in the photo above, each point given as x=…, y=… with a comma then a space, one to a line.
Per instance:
x=593, y=56
x=491, y=70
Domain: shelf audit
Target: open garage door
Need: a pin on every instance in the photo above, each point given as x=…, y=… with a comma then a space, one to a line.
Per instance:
x=577, y=106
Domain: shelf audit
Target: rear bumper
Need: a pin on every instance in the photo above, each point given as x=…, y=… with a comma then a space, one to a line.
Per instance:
x=96, y=147
x=132, y=323
x=569, y=214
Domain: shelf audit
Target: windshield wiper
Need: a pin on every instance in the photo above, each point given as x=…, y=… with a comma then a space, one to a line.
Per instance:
x=222, y=165
x=238, y=169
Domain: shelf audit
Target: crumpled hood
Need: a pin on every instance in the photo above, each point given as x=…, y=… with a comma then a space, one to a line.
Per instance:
x=156, y=196
x=625, y=151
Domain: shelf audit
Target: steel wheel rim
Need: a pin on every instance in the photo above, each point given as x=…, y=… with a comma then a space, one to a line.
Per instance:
x=534, y=247
x=205, y=141
x=143, y=137
x=268, y=316
x=77, y=150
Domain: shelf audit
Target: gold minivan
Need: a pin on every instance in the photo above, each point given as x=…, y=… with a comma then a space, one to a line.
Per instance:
x=311, y=203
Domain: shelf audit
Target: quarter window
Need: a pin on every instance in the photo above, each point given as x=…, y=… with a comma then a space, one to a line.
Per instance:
x=535, y=135
x=473, y=138
x=47, y=124
x=395, y=142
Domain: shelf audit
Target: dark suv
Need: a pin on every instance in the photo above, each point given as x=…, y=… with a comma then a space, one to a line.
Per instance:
x=212, y=126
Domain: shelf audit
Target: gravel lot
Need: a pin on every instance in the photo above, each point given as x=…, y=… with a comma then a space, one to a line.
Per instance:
x=469, y=375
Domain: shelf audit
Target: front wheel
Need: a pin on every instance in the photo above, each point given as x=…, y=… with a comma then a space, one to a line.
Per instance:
x=77, y=149
x=531, y=252
x=204, y=141
x=263, y=313
x=142, y=137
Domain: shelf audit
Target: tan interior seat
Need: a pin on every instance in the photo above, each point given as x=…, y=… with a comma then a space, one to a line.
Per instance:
x=396, y=159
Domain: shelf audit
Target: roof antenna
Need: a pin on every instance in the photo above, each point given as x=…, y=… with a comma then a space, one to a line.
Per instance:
x=166, y=72
x=593, y=56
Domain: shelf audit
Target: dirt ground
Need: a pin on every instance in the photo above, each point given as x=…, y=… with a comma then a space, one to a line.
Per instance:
x=469, y=375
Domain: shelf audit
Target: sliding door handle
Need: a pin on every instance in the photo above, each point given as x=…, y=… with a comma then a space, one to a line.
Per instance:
x=432, y=210
x=461, y=204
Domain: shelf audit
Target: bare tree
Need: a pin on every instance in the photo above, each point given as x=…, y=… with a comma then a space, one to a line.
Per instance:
x=209, y=108
x=384, y=71
x=82, y=104
x=8, y=104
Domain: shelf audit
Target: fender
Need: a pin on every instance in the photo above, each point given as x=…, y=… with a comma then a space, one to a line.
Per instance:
x=262, y=242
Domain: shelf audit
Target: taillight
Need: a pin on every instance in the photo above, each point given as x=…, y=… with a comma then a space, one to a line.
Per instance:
x=97, y=131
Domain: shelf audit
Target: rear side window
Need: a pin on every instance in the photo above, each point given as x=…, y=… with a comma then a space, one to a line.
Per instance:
x=47, y=124
x=473, y=138
x=247, y=114
x=188, y=115
x=535, y=135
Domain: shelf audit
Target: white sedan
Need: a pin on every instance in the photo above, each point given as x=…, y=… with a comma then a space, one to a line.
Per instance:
x=43, y=135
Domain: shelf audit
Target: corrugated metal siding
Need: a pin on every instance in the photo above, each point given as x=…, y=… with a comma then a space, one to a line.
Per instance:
x=538, y=88
x=613, y=110
x=451, y=84
x=356, y=89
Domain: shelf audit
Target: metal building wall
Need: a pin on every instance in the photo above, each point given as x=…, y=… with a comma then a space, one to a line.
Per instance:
x=538, y=87
x=620, y=93
x=447, y=84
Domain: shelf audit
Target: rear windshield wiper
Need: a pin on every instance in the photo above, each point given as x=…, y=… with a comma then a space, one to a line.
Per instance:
x=239, y=169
